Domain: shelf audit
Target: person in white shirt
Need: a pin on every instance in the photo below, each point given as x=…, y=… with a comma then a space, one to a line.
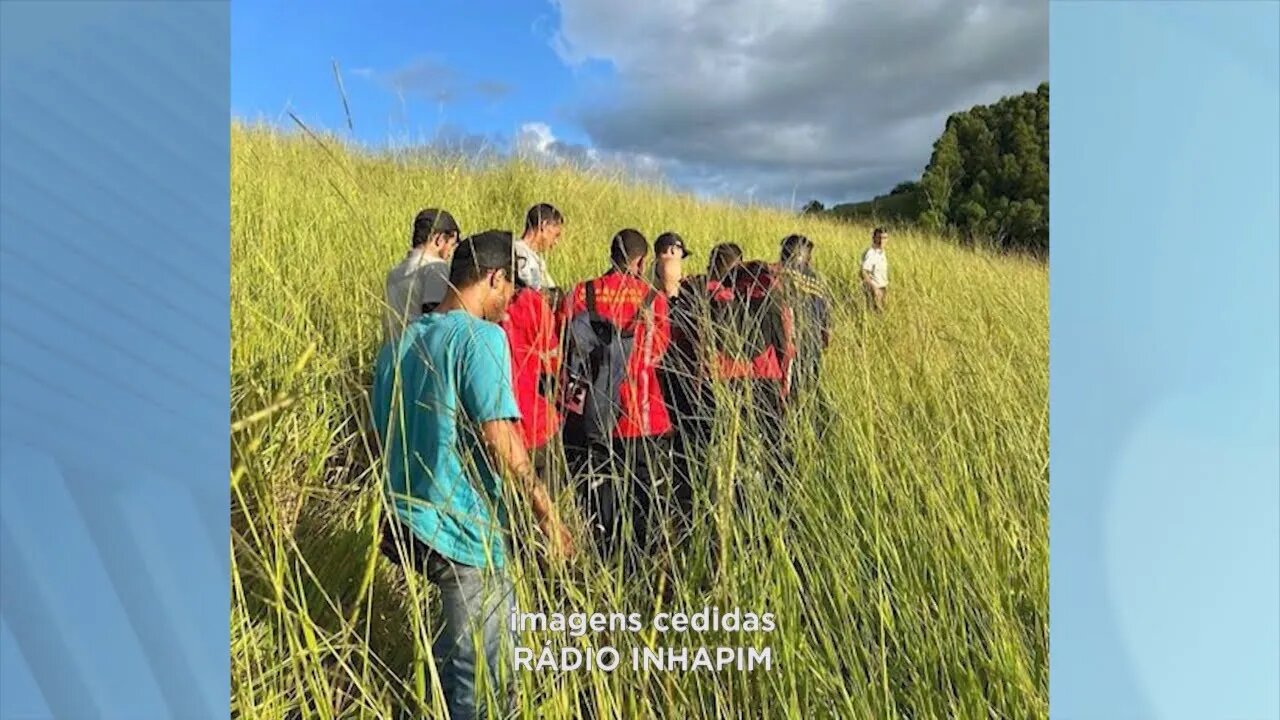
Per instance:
x=542, y=227
x=421, y=279
x=875, y=270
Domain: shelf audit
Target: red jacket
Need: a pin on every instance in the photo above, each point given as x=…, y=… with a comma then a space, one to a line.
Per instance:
x=769, y=364
x=618, y=297
x=530, y=325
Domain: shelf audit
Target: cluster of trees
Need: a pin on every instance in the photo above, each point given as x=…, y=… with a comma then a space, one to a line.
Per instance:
x=989, y=173
x=987, y=179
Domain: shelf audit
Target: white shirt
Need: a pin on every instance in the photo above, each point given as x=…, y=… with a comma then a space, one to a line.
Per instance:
x=418, y=279
x=875, y=262
x=531, y=268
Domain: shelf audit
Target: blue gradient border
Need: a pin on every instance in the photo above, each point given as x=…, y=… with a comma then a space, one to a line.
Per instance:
x=1165, y=512
x=1164, y=399
x=114, y=282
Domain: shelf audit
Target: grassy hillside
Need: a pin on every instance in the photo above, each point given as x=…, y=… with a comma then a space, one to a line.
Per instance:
x=901, y=208
x=910, y=581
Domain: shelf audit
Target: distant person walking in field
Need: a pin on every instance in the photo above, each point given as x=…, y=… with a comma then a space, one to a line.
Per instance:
x=422, y=277
x=807, y=296
x=875, y=270
x=616, y=427
x=530, y=325
x=542, y=227
x=447, y=422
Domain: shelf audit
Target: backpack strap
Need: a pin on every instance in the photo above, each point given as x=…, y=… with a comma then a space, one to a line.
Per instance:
x=590, y=291
x=645, y=304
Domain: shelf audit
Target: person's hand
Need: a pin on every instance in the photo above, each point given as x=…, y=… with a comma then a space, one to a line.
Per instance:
x=559, y=539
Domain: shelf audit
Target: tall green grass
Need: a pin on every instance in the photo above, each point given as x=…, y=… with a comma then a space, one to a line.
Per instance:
x=908, y=573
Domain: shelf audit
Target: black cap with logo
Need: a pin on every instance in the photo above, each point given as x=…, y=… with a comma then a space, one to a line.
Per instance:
x=668, y=240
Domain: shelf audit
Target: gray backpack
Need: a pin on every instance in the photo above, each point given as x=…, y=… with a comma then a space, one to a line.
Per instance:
x=596, y=354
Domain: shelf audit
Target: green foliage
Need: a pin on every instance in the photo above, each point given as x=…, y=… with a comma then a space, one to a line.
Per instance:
x=988, y=178
x=989, y=173
x=946, y=167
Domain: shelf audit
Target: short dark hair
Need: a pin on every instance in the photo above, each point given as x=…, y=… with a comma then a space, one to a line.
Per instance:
x=629, y=244
x=481, y=253
x=793, y=244
x=431, y=221
x=540, y=213
x=723, y=257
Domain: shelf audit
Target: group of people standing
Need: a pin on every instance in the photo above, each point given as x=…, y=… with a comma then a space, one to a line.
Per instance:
x=490, y=372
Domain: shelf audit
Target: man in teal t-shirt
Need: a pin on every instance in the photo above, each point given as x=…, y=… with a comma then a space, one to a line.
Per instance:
x=445, y=413
x=455, y=370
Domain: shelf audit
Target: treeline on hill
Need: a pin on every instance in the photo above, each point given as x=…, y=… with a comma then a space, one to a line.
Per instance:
x=987, y=180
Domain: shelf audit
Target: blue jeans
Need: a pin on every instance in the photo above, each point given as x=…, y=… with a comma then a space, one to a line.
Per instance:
x=476, y=606
x=474, y=646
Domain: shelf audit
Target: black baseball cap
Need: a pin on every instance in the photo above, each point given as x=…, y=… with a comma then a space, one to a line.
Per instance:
x=669, y=240
x=435, y=220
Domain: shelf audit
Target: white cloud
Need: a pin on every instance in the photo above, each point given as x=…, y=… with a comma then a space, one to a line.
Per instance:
x=537, y=141
x=834, y=99
x=534, y=139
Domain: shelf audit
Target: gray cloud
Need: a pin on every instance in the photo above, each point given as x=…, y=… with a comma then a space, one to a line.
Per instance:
x=433, y=80
x=423, y=77
x=492, y=89
x=456, y=140
x=836, y=100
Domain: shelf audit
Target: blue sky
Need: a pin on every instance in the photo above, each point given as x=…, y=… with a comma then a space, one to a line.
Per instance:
x=492, y=61
x=776, y=101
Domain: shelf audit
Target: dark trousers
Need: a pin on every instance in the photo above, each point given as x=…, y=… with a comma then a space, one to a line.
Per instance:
x=625, y=492
x=807, y=394
x=690, y=448
x=807, y=373
x=691, y=404
x=765, y=423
